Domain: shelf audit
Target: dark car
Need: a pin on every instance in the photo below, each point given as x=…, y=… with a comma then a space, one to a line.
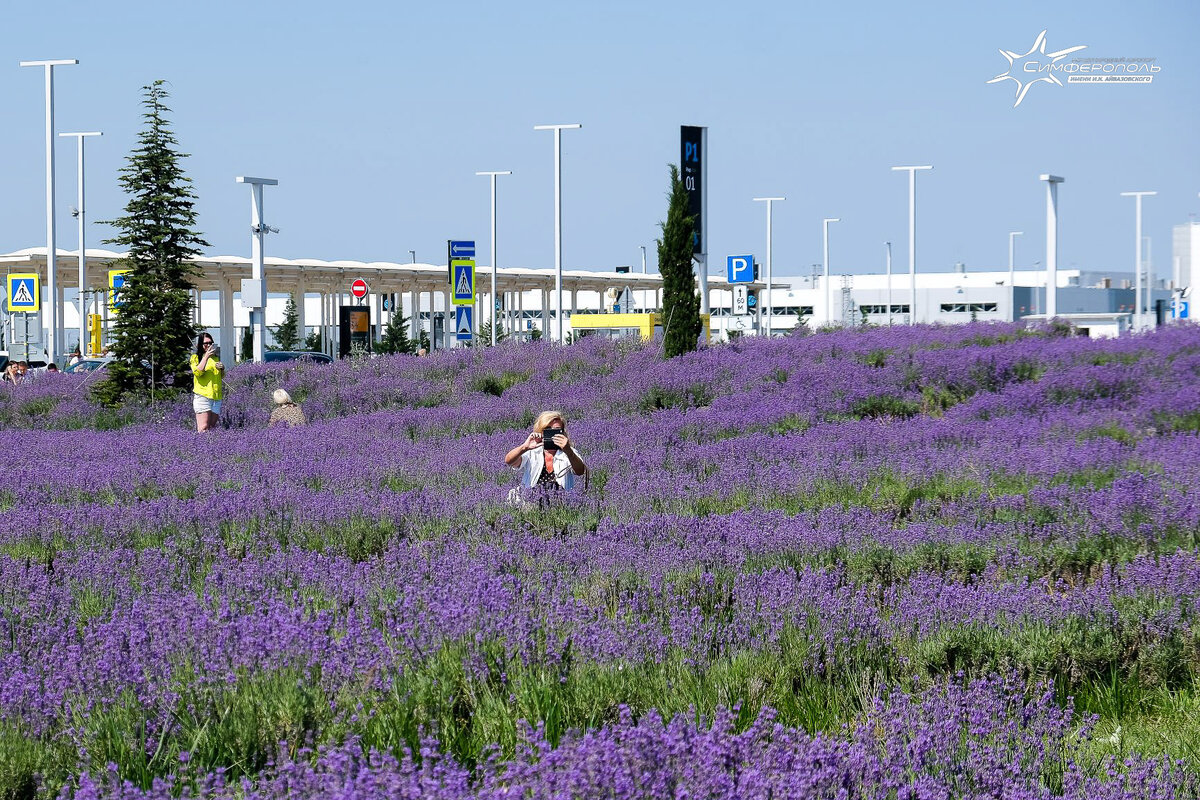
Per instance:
x=276, y=356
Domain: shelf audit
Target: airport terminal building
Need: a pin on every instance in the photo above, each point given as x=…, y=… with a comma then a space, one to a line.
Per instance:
x=1100, y=303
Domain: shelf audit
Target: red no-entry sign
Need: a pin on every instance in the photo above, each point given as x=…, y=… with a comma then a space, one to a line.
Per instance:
x=359, y=288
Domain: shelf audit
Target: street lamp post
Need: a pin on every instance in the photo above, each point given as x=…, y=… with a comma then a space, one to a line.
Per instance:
x=1012, y=276
x=80, y=214
x=1138, y=264
x=825, y=257
x=1011, y=272
x=643, y=258
x=889, y=282
x=770, y=201
x=257, y=288
x=493, y=297
x=912, y=238
x=558, y=129
x=52, y=343
x=1052, y=182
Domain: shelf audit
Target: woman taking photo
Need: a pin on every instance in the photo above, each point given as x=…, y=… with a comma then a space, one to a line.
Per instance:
x=547, y=457
x=207, y=372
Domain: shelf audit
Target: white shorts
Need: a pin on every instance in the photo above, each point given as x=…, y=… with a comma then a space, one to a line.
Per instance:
x=201, y=404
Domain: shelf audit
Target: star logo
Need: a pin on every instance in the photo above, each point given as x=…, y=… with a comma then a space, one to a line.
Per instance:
x=1037, y=55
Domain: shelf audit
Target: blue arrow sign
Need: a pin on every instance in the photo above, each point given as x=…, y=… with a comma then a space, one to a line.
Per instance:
x=463, y=249
x=464, y=322
x=740, y=269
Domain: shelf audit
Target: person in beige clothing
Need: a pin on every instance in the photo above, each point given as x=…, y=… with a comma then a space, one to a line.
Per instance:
x=286, y=412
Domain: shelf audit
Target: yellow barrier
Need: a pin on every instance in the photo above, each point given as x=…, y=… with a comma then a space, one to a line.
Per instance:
x=96, y=326
x=646, y=325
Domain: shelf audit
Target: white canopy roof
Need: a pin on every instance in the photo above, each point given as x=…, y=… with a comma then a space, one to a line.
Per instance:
x=315, y=275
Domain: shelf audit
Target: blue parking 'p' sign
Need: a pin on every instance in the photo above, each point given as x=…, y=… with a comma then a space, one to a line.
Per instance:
x=740, y=269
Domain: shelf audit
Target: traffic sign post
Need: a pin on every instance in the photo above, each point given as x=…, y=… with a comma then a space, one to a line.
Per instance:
x=741, y=299
x=359, y=289
x=464, y=322
x=456, y=250
x=1179, y=307
x=24, y=292
x=739, y=269
x=462, y=281
x=116, y=281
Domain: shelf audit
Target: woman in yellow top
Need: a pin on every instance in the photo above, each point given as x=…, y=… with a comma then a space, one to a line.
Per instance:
x=207, y=372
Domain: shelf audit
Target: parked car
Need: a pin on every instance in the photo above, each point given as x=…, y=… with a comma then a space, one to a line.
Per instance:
x=89, y=364
x=277, y=356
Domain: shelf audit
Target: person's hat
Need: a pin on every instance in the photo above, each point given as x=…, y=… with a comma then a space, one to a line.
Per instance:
x=281, y=397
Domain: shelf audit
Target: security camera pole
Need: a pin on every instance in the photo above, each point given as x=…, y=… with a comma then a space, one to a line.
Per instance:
x=254, y=291
x=912, y=238
x=558, y=129
x=51, y=245
x=79, y=216
x=493, y=297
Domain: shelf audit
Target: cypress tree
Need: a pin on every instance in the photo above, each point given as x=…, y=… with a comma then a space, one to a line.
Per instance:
x=153, y=332
x=681, y=302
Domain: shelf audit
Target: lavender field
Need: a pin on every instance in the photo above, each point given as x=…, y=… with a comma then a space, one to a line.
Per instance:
x=887, y=563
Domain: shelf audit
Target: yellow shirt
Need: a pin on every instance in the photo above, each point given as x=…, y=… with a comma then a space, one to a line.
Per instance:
x=206, y=382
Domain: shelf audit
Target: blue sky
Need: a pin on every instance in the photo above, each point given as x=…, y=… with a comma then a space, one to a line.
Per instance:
x=375, y=116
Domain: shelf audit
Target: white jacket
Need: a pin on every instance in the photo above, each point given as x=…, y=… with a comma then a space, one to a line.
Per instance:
x=533, y=463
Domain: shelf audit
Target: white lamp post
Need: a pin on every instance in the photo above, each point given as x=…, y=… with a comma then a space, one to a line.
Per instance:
x=256, y=286
x=889, y=282
x=493, y=297
x=1138, y=265
x=1012, y=277
x=912, y=238
x=52, y=344
x=558, y=129
x=769, y=308
x=1011, y=272
x=825, y=257
x=1052, y=182
x=80, y=214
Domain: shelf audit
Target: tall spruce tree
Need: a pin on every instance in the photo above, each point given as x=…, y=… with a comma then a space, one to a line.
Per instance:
x=287, y=333
x=681, y=302
x=153, y=333
x=395, y=337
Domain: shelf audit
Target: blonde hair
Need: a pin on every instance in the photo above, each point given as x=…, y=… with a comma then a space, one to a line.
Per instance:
x=546, y=417
x=281, y=396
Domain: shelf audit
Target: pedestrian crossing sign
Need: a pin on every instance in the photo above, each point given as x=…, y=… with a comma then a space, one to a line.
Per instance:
x=463, y=271
x=24, y=292
x=463, y=323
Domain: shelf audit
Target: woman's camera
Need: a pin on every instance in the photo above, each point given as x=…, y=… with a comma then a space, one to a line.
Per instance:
x=548, y=437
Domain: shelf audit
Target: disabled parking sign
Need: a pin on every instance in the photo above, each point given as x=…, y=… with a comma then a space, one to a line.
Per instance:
x=24, y=292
